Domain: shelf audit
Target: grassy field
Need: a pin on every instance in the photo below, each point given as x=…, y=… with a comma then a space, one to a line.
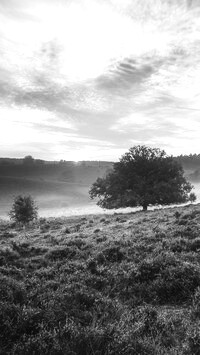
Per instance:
x=102, y=284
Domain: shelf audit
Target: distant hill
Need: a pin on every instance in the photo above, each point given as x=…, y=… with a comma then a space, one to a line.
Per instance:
x=189, y=162
x=53, y=184
x=191, y=166
x=64, y=184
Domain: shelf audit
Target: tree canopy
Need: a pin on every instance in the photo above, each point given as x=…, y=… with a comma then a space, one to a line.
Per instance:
x=143, y=176
x=28, y=160
x=23, y=210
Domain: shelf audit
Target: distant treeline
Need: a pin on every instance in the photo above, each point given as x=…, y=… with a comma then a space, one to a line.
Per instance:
x=85, y=172
x=30, y=161
x=82, y=172
x=191, y=161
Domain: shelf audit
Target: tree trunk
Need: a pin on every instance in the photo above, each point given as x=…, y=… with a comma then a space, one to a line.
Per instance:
x=145, y=207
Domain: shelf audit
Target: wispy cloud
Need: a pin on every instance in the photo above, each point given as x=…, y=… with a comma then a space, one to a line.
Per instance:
x=107, y=75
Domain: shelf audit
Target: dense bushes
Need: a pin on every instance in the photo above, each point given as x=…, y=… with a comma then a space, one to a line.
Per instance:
x=167, y=279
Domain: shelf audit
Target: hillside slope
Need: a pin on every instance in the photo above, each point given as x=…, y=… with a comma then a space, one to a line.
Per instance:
x=118, y=284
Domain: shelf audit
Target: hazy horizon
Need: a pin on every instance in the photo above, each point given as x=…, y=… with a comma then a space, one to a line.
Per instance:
x=63, y=189
x=82, y=161
x=83, y=80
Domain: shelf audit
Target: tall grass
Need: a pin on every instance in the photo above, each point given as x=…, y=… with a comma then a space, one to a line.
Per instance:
x=113, y=284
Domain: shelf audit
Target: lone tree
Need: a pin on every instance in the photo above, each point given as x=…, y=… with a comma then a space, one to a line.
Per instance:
x=144, y=176
x=28, y=160
x=23, y=210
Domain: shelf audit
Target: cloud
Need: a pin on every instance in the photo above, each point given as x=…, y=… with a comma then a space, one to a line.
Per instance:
x=125, y=75
x=104, y=75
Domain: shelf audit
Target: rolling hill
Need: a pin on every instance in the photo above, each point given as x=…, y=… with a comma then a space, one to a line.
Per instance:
x=107, y=285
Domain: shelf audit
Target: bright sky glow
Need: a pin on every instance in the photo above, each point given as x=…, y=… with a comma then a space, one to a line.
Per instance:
x=88, y=79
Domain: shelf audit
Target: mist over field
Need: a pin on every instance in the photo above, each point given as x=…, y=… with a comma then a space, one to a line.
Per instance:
x=58, y=188
x=61, y=188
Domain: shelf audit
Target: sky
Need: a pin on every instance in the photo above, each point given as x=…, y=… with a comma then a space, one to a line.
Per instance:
x=88, y=79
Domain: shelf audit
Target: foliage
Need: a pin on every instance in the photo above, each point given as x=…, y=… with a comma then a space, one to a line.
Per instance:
x=23, y=210
x=143, y=176
x=28, y=160
x=126, y=290
x=192, y=197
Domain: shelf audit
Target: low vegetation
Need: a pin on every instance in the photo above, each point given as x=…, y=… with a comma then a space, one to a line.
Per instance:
x=112, y=284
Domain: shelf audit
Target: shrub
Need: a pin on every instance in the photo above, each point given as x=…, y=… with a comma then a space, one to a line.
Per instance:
x=7, y=235
x=9, y=257
x=113, y=254
x=192, y=197
x=196, y=304
x=11, y=290
x=60, y=253
x=97, y=230
x=101, y=239
x=78, y=242
x=67, y=230
x=177, y=214
x=92, y=266
x=44, y=227
x=194, y=340
x=23, y=210
x=9, y=315
x=166, y=279
x=178, y=245
x=177, y=283
x=194, y=245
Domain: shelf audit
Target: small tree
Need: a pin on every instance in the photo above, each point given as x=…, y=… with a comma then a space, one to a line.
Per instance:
x=144, y=176
x=23, y=210
x=28, y=160
x=192, y=197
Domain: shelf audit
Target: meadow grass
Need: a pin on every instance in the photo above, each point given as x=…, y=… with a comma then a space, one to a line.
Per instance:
x=111, y=284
